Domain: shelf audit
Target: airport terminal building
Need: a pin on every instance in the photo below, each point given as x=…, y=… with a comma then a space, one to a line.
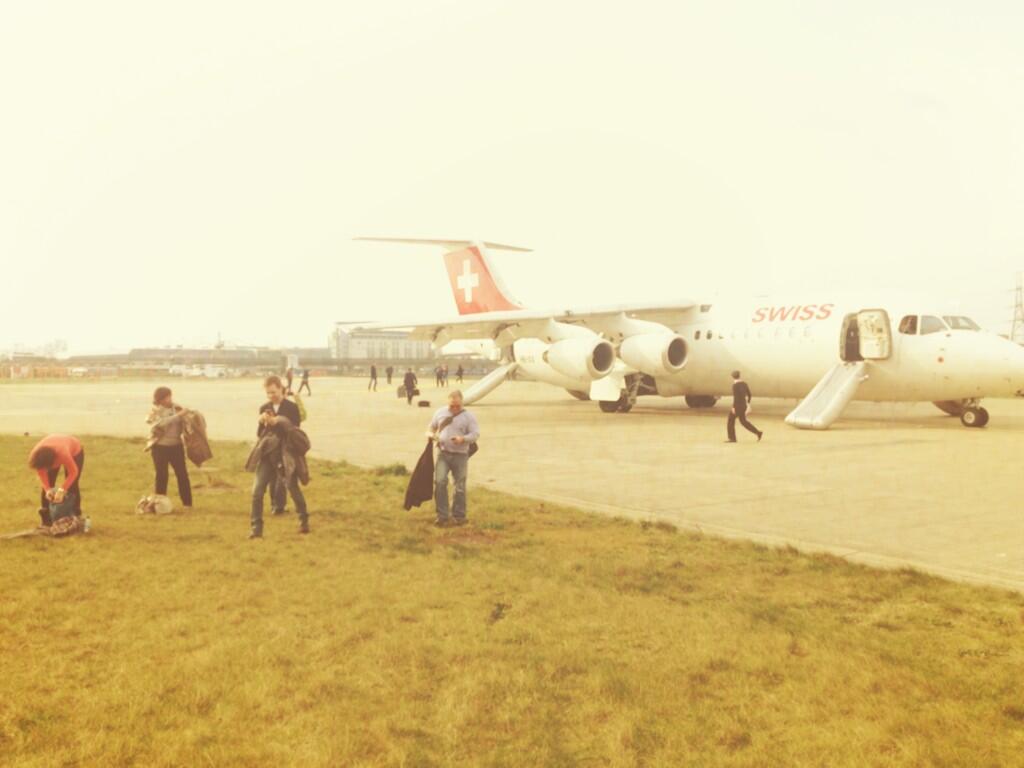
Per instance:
x=378, y=346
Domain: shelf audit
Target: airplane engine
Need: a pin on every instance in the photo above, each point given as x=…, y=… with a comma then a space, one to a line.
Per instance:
x=581, y=358
x=655, y=354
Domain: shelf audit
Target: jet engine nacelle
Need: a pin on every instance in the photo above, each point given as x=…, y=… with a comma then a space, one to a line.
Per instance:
x=656, y=354
x=581, y=358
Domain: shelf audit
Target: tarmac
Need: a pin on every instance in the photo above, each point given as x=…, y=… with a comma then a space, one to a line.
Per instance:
x=889, y=485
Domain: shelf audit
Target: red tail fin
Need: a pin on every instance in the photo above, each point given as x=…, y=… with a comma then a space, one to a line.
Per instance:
x=475, y=283
x=475, y=286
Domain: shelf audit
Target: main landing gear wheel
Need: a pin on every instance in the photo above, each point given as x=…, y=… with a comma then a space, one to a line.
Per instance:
x=623, y=405
x=701, y=401
x=974, y=417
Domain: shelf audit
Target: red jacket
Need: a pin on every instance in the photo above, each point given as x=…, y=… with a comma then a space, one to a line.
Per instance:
x=66, y=447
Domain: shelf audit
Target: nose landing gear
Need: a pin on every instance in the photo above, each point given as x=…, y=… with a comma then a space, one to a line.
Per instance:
x=974, y=416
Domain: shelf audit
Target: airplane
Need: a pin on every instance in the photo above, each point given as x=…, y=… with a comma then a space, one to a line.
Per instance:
x=823, y=351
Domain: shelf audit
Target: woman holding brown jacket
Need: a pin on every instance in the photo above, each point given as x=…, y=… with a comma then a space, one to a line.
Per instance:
x=166, y=424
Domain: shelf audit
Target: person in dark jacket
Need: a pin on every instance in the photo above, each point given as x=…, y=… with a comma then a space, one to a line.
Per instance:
x=166, y=423
x=459, y=372
x=409, y=382
x=389, y=372
x=304, y=384
x=289, y=375
x=373, y=379
x=741, y=398
x=267, y=474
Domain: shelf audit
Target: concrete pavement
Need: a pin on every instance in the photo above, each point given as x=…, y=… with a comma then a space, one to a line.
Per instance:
x=888, y=485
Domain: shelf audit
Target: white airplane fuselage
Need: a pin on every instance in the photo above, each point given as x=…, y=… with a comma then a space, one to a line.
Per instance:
x=784, y=348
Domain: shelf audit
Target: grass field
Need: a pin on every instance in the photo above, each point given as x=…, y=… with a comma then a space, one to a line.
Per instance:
x=536, y=636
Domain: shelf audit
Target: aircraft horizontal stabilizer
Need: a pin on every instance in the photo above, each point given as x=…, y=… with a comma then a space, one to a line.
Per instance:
x=451, y=245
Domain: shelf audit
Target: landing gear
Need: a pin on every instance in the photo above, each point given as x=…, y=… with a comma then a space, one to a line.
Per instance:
x=974, y=417
x=952, y=407
x=624, y=404
x=636, y=385
x=701, y=401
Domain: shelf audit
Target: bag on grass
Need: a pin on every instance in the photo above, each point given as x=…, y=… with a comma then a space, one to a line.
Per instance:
x=155, y=504
x=64, y=509
x=66, y=526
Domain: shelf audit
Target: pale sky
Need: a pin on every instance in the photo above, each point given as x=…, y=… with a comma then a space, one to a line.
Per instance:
x=169, y=171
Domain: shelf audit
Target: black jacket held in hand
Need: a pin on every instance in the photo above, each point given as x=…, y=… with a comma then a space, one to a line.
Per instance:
x=421, y=484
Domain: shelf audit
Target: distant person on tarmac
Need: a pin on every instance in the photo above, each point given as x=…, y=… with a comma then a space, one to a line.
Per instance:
x=741, y=398
x=47, y=458
x=166, y=424
x=409, y=382
x=305, y=383
x=458, y=374
x=268, y=472
x=390, y=370
x=456, y=431
x=289, y=375
x=373, y=379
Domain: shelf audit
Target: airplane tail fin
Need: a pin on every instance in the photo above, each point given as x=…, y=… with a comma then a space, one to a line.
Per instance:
x=476, y=285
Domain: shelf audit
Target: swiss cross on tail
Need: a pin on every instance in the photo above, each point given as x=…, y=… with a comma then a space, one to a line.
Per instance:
x=473, y=284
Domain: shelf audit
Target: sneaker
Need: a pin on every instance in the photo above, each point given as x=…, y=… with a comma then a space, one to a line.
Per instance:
x=759, y=436
x=255, y=535
x=729, y=441
x=278, y=511
x=304, y=528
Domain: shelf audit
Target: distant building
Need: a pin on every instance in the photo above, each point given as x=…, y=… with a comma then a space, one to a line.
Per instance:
x=348, y=344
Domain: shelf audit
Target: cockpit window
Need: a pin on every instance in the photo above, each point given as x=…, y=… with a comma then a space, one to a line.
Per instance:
x=961, y=323
x=931, y=324
x=908, y=325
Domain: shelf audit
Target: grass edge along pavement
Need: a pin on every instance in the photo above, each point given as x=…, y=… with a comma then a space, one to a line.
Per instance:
x=537, y=635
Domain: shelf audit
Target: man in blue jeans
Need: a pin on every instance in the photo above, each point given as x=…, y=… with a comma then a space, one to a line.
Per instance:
x=455, y=430
x=271, y=414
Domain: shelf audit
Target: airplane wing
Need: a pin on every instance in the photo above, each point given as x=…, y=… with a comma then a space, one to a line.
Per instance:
x=505, y=327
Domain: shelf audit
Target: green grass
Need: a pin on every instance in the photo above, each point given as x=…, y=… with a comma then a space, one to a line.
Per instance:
x=537, y=636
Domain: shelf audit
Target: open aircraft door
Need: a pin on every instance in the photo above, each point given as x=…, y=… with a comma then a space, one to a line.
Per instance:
x=875, y=334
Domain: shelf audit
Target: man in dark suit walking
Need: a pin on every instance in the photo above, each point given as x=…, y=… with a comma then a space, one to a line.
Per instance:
x=409, y=382
x=741, y=398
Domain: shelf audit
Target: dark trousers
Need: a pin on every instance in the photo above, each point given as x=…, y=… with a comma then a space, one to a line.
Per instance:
x=305, y=384
x=741, y=414
x=174, y=456
x=44, y=503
